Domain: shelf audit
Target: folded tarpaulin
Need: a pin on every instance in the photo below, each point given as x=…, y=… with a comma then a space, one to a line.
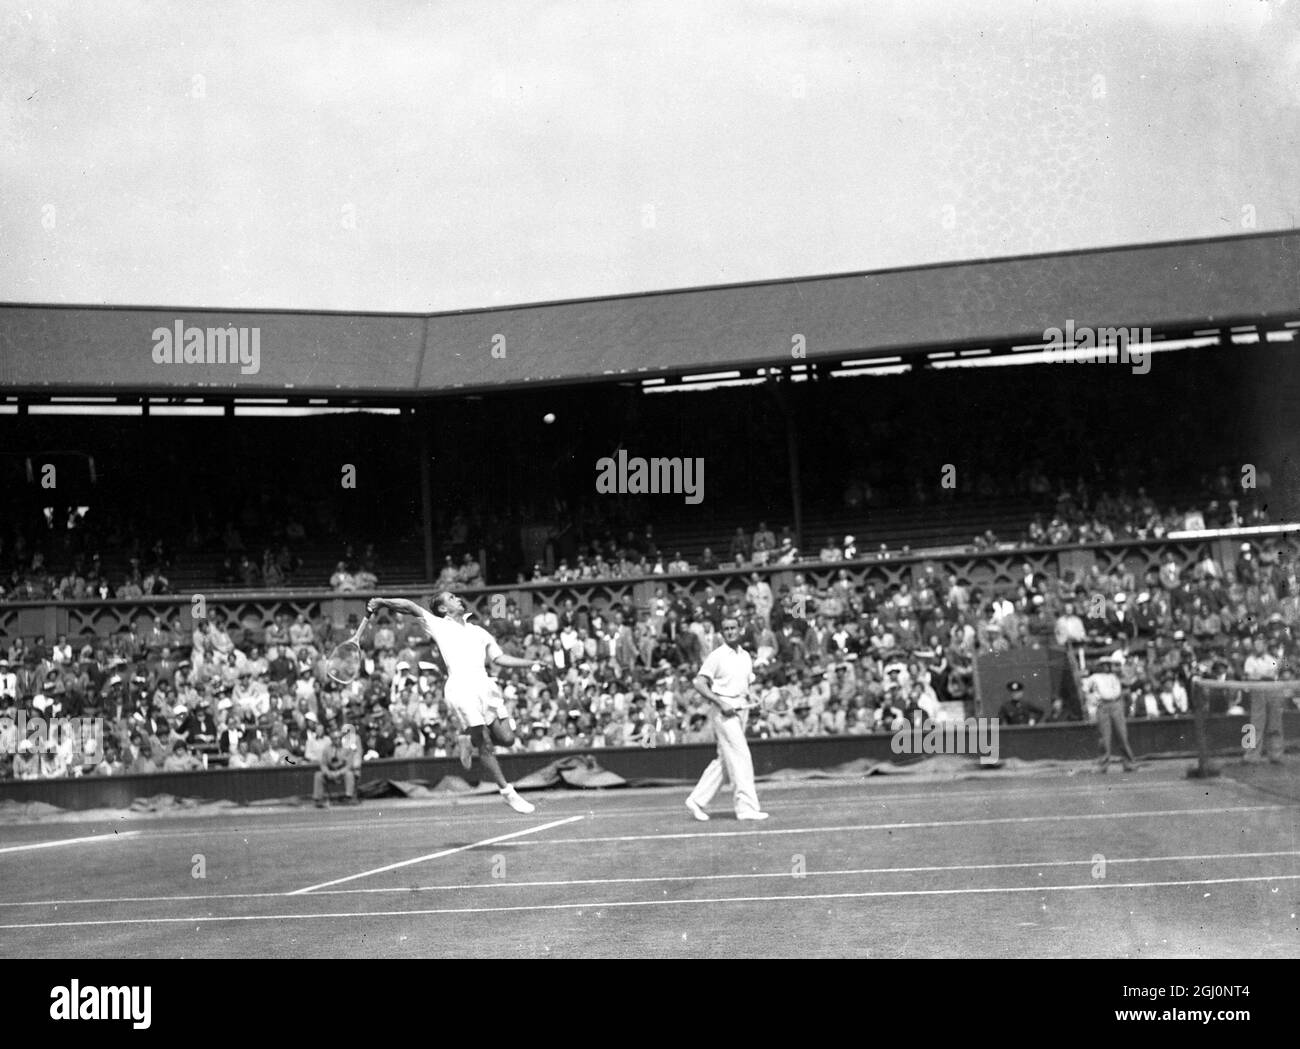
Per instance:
x=419, y=788
x=165, y=802
x=394, y=788
x=579, y=771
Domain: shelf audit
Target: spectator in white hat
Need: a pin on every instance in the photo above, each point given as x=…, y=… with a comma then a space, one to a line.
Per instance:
x=27, y=764
x=54, y=764
x=1105, y=695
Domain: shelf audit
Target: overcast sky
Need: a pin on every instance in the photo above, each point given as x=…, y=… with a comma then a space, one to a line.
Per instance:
x=394, y=155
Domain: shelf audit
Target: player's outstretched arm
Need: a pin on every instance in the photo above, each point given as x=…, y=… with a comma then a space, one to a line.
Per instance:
x=397, y=604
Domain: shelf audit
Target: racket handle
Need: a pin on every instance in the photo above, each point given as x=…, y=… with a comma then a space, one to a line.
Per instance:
x=362, y=628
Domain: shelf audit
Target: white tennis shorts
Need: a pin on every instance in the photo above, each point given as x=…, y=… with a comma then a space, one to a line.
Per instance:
x=475, y=701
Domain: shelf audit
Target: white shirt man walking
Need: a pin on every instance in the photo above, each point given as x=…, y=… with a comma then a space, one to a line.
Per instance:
x=725, y=680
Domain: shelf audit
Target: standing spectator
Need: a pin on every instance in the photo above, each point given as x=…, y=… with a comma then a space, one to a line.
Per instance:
x=759, y=594
x=1105, y=692
x=764, y=544
x=738, y=551
x=1265, y=705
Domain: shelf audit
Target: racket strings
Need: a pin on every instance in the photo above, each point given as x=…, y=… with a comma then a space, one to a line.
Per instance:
x=345, y=662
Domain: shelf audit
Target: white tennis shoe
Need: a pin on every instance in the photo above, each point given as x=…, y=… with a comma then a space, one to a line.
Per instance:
x=696, y=811
x=511, y=797
x=751, y=815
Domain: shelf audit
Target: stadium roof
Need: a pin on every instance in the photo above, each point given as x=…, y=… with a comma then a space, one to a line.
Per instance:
x=1176, y=289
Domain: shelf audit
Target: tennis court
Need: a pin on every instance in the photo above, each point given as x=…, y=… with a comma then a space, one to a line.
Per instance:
x=1071, y=864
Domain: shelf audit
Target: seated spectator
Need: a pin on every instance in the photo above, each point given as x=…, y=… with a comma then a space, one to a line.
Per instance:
x=470, y=572
x=243, y=757
x=181, y=760
x=110, y=762
x=698, y=730
x=411, y=745
x=540, y=739
x=342, y=580
x=447, y=577
x=301, y=633
x=54, y=762
x=27, y=763
x=145, y=759
x=249, y=574
x=272, y=577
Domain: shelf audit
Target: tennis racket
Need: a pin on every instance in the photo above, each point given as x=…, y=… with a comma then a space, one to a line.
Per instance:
x=344, y=663
x=753, y=704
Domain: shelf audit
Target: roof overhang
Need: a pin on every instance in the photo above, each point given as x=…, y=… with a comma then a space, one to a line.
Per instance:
x=1174, y=289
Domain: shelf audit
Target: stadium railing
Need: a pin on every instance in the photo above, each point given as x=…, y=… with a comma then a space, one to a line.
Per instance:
x=995, y=571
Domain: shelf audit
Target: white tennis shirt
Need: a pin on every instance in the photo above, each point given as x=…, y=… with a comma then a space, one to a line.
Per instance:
x=465, y=647
x=730, y=671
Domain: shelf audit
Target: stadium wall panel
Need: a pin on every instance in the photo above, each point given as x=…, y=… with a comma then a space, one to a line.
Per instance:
x=1068, y=742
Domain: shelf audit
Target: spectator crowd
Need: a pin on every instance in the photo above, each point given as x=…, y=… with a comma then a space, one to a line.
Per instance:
x=839, y=656
x=140, y=569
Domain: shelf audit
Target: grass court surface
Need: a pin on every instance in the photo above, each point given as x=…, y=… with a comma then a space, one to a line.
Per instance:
x=999, y=866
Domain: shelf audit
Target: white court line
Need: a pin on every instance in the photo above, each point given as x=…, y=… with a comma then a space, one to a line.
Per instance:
x=750, y=876
x=438, y=855
x=767, y=830
x=430, y=815
x=69, y=841
x=600, y=905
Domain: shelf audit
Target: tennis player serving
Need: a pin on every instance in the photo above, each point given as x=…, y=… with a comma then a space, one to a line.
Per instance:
x=466, y=649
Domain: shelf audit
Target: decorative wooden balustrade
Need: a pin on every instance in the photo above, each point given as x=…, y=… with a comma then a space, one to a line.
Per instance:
x=994, y=571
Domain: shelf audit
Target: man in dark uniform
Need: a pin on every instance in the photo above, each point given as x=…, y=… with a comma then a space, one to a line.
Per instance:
x=1016, y=710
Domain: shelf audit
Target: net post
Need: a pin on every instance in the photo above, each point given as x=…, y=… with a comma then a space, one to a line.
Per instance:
x=1200, y=699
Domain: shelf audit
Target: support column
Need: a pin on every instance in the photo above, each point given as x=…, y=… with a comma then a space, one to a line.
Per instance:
x=422, y=421
x=796, y=494
x=792, y=458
